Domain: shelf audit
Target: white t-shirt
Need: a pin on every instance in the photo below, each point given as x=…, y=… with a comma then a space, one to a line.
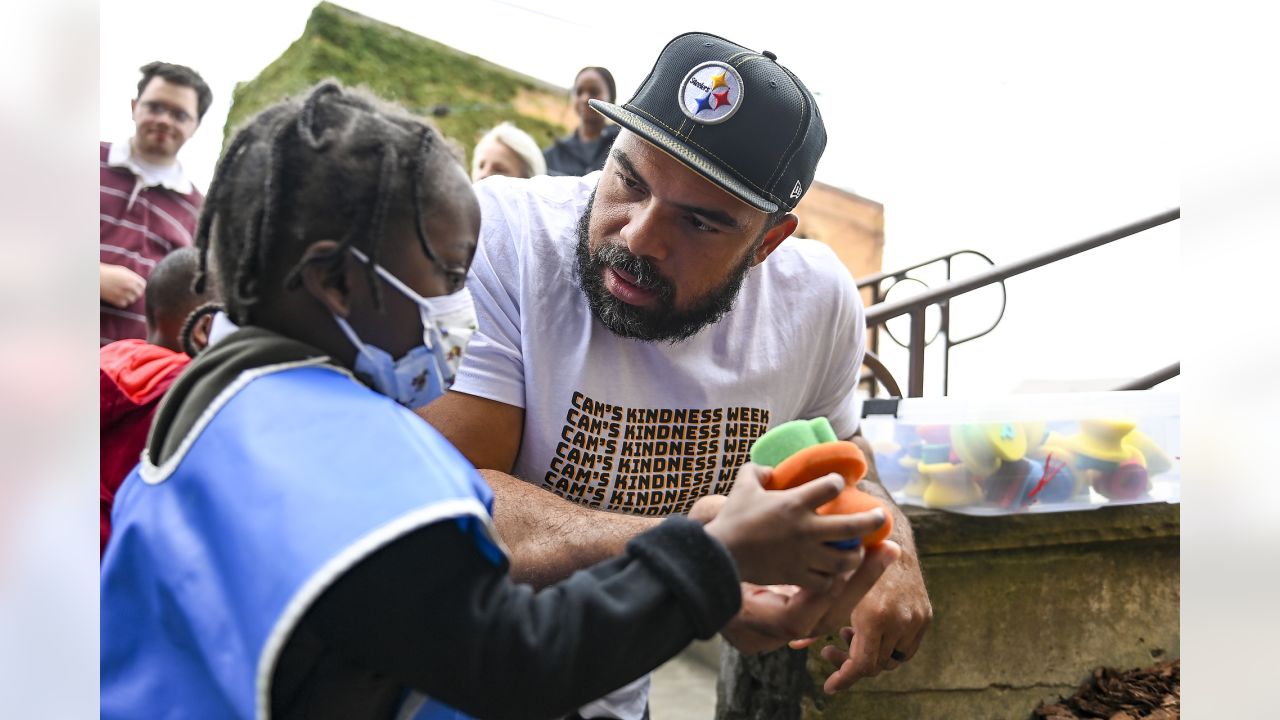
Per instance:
x=602, y=412
x=642, y=427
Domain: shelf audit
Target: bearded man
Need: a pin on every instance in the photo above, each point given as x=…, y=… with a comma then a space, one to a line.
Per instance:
x=640, y=326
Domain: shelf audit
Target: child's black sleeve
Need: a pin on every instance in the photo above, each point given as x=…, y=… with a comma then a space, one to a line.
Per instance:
x=433, y=613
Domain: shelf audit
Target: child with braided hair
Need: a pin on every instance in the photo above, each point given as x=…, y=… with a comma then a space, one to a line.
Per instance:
x=297, y=543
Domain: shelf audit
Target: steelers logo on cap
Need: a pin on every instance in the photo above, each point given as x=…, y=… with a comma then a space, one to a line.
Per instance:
x=711, y=93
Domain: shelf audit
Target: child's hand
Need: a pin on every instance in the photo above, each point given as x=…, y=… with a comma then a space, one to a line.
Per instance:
x=776, y=537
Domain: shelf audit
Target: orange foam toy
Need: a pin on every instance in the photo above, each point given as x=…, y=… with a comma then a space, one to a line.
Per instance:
x=841, y=457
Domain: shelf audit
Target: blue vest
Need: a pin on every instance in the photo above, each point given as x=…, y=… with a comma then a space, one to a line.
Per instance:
x=294, y=474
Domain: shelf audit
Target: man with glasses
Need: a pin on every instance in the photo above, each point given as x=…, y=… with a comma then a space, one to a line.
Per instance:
x=147, y=205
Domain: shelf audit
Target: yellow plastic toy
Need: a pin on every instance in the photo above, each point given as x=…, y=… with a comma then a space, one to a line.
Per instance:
x=916, y=483
x=983, y=447
x=1102, y=440
x=949, y=486
x=929, y=454
x=1116, y=469
x=1157, y=459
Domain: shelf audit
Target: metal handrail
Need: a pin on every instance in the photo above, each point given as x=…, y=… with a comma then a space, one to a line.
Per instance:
x=901, y=273
x=879, y=293
x=1150, y=380
x=915, y=306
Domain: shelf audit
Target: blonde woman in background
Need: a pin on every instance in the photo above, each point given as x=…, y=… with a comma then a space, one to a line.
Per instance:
x=507, y=150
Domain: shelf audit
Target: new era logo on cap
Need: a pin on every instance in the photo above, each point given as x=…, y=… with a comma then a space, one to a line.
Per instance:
x=731, y=114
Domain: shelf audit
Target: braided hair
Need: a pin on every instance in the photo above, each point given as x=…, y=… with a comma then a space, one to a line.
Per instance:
x=327, y=166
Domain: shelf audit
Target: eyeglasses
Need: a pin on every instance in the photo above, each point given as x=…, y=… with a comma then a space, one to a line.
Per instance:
x=155, y=109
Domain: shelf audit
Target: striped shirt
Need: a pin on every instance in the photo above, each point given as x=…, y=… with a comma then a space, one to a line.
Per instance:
x=139, y=223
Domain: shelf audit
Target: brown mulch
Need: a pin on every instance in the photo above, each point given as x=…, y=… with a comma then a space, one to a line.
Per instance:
x=1152, y=693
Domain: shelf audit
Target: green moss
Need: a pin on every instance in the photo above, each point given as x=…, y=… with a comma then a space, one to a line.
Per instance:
x=420, y=74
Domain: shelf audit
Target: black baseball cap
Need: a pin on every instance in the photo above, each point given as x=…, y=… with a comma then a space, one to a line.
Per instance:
x=733, y=115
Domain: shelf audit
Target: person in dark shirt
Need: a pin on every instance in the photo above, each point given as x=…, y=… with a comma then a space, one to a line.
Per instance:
x=297, y=543
x=587, y=147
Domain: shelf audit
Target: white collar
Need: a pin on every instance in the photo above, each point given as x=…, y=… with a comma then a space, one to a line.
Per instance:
x=222, y=326
x=120, y=155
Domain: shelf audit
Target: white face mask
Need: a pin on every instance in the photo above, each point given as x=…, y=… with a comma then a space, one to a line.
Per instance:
x=426, y=371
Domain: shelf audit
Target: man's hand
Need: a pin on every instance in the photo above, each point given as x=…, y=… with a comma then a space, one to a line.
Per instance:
x=890, y=618
x=118, y=285
x=886, y=623
x=773, y=615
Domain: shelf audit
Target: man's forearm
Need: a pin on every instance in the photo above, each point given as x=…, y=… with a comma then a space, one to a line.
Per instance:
x=901, y=532
x=549, y=538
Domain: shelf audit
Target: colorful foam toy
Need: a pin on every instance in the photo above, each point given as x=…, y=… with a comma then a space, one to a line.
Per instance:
x=935, y=434
x=1015, y=465
x=1052, y=479
x=803, y=450
x=893, y=473
x=1007, y=486
x=1128, y=481
x=910, y=464
x=1027, y=471
x=933, y=458
x=1099, y=443
x=1115, y=468
x=950, y=485
x=1057, y=449
x=1043, y=479
x=983, y=447
x=1158, y=461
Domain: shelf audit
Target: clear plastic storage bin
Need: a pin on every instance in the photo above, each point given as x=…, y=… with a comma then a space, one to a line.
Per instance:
x=1027, y=453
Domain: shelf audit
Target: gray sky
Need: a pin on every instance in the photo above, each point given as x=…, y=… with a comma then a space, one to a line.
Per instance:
x=999, y=126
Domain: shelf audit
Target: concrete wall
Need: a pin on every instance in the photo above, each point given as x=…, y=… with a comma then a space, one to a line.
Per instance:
x=1024, y=608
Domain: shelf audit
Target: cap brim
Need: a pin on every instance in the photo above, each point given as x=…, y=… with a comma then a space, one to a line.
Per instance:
x=668, y=143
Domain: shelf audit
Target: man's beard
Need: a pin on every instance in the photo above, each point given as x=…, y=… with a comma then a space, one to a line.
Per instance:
x=660, y=322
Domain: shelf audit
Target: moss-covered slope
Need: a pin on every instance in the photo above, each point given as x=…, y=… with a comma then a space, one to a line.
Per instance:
x=463, y=94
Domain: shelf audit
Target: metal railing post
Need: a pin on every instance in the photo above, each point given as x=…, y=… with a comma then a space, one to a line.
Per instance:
x=915, y=378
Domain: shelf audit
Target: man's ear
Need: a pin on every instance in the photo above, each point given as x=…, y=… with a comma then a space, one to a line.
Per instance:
x=200, y=332
x=324, y=271
x=774, y=236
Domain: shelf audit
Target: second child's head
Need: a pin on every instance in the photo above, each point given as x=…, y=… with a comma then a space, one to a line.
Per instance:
x=323, y=212
x=169, y=298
